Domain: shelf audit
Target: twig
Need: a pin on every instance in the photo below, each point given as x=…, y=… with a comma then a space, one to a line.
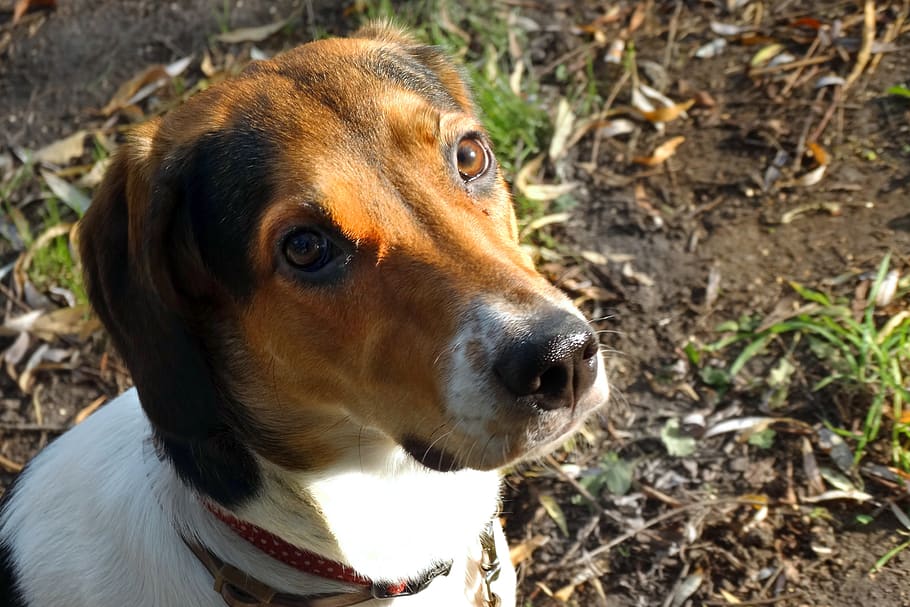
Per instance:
x=791, y=80
x=89, y=409
x=782, y=67
x=671, y=34
x=8, y=293
x=770, y=601
x=565, y=57
x=679, y=580
x=835, y=103
x=804, y=135
x=580, y=539
x=20, y=427
x=865, y=50
x=614, y=92
x=891, y=33
x=11, y=465
x=666, y=516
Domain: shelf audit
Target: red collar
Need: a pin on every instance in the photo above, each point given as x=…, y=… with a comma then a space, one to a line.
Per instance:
x=314, y=564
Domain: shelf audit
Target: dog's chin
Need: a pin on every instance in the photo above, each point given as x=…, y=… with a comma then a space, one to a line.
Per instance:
x=440, y=460
x=431, y=457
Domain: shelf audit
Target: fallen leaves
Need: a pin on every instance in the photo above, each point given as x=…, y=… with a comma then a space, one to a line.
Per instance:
x=144, y=84
x=67, y=193
x=661, y=153
x=23, y=6
x=64, y=150
x=253, y=34
x=668, y=113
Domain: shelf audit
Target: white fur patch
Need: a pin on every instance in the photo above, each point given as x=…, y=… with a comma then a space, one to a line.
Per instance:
x=96, y=520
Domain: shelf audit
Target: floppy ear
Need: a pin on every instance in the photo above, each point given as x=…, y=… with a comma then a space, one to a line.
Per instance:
x=132, y=237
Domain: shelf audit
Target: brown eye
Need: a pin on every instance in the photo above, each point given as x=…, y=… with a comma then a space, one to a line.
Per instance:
x=471, y=158
x=308, y=250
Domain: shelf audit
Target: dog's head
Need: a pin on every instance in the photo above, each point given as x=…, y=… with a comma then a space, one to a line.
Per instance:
x=323, y=251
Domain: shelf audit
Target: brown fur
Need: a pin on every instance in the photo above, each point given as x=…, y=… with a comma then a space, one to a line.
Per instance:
x=291, y=362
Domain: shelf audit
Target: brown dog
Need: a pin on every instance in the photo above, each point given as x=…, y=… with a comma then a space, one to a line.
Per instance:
x=313, y=274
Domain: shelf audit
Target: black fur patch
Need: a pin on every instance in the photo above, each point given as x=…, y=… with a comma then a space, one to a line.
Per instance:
x=222, y=187
x=203, y=211
x=9, y=594
x=225, y=186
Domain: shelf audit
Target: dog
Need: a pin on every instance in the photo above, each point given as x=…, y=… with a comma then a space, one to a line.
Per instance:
x=313, y=274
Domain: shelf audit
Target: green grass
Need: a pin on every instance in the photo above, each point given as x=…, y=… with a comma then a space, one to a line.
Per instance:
x=53, y=264
x=865, y=358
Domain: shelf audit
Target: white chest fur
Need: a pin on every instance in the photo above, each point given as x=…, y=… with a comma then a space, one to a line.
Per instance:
x=96, y=521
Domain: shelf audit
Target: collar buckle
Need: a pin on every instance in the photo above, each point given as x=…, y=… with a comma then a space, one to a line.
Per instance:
x=489, y=566
x=388, y=591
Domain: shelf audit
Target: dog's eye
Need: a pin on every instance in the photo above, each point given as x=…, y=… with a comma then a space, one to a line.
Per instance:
x=472, y=158
x=308, y=250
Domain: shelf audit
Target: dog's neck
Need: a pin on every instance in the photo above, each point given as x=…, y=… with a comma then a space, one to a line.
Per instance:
x=376, y=510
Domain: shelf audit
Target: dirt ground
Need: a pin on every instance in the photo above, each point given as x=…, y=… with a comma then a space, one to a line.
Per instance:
x=653, y=238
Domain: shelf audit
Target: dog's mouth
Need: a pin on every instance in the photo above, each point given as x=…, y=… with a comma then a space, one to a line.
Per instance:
x=430, y=456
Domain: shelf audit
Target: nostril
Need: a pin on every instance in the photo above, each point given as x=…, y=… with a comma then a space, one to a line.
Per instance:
x=553, y=381
x=591, y=348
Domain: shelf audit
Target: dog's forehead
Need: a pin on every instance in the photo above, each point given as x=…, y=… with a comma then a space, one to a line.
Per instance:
x=352, y=82
x=358, y=65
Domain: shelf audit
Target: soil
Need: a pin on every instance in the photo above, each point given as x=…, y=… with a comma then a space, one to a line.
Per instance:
x=659, y=233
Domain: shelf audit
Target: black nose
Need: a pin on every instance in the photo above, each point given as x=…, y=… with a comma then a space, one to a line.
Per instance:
x=552, y=364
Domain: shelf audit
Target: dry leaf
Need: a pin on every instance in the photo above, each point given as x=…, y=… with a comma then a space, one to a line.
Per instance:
x=541, y=222
x=638, y=17
x=144, y=84
x=640, y=277
x=711, y=49
x=640, y=102
x=523, y=177
x=547, y=192
x=15, y=353
x=662, y=153
x=562, y=129
x=730, y=598
x=766, y=54
x=23, y=6
x=686, y=589
x=615, y=52
x=96, y=174
x=612, y=128
x=66, y=321
x=810, y=467
x=19, y=324
x=812, y=177
x=151, y=75
x=553, y=509
x=68, y=194
x=729, y=29
x=819, y=153
x=63, y=150
x=26, y=380
x=523, y=551
x=666, y=114
x=565, y=593
x=253, y=34
x=88, y=410
x=837, y=494
x=10, y=465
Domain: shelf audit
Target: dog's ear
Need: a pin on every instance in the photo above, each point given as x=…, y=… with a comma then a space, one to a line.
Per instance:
x=128, y=250
x=143, y=270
